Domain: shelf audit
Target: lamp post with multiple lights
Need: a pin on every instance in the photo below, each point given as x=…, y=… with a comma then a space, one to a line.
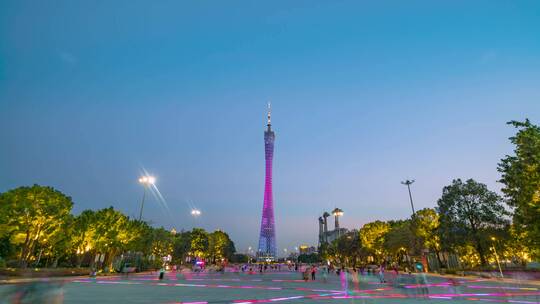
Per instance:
x=408, y=184
x=146, y=181
x=195, y=212
x=337, y=213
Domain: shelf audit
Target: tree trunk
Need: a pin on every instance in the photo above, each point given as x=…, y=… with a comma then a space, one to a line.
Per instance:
x=31, y=246
x=22, y=262
x=79, y=260
x=480, y=250
x=30, y=250
x=439, y=259
x=478, y=244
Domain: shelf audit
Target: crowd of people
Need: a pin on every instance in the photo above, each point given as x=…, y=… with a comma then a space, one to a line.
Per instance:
x=310, y=272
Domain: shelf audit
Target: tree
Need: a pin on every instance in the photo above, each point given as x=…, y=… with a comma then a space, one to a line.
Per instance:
x=82, y=234
x=469, y=214
x=220, y=246
x=113, y=233
x=240, y=258
x=199, y=243
x=514, y=245
x=372, y=236
x=400, y=239
x=345, y=250
x=6, y=247
x=182, y=246
x=350, y=244
x=426, y=224
x=59, y=242
x=36, y=226
x=521, y=179
x=311, y=258
x=162, y=242
x=31, y=214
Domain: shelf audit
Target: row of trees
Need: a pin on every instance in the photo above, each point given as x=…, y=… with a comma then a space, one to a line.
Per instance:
x=469, y=221
x=37, y=228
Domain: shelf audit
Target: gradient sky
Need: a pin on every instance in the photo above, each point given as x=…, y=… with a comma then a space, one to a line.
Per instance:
x=364, y=95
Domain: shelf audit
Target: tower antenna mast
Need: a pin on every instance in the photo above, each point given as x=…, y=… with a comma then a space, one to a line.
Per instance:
x=269, y=113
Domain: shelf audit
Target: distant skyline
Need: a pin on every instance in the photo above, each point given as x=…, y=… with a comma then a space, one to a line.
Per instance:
x=364, y=95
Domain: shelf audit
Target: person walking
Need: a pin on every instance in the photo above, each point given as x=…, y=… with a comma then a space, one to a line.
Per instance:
x=313, y=272
x=305, y=274
x=381, y=274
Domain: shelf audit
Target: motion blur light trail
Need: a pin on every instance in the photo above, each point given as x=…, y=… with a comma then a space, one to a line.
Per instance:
x=285, y=287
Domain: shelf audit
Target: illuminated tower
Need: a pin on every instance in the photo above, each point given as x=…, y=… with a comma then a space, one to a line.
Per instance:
x=267, y=238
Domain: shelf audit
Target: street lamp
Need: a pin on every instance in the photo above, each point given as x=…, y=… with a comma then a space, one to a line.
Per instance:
x=195, y=212
x=337, y=213
x=146, y=181
x=408, y=184
x=497, y=256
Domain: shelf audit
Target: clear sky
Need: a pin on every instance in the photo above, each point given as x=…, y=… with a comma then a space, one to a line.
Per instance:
x=365, y=94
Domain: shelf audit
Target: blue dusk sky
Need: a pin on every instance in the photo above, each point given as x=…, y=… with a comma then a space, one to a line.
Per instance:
x=364, y=95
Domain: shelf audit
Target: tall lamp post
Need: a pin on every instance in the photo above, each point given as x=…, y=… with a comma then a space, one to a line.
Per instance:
x=146, y=181
x=337, y=213
x=408, y=184
x=497, y=256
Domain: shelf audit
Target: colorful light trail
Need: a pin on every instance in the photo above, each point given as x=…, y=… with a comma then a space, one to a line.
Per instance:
x=283, y=287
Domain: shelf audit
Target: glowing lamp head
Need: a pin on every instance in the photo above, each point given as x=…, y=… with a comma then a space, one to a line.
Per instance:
x=337, y=212
x=195, y=212
x=147, y=180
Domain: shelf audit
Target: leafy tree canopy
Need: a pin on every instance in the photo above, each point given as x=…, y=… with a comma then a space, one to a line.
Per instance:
x=521, y=179
x=469, y=212
x=30, y=215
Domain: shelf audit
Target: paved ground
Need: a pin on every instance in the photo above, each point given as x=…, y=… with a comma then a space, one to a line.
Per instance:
x=285, y=287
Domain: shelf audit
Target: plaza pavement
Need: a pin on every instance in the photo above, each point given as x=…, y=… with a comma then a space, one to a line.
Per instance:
x=283, y=287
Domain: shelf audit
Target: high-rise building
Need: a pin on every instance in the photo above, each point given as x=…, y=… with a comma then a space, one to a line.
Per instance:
x=267, y=237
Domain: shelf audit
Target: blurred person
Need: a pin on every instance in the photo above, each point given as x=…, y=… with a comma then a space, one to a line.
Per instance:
x=381, y=274
x=35, y=292
x=324, y=271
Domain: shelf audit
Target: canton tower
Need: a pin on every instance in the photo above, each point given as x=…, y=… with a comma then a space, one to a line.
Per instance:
x=267, y=238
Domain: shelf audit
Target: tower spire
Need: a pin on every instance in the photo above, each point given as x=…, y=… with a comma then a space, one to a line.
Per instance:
x=269, y=114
